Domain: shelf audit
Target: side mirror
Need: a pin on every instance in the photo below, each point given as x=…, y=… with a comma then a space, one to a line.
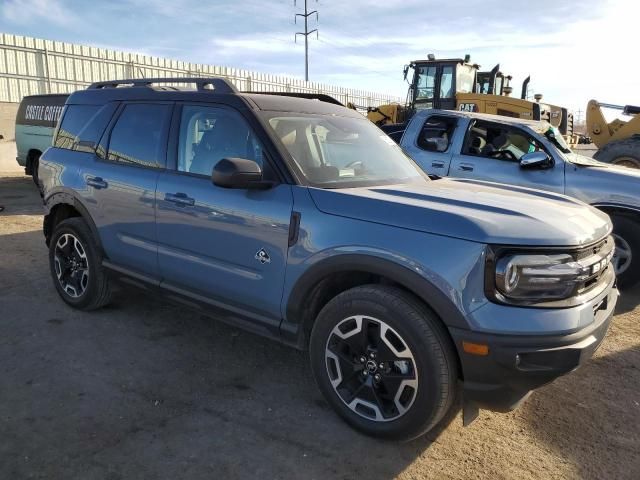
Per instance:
x=535, y=160
x=238, y=173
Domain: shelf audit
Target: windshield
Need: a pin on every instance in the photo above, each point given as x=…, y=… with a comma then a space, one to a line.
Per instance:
x=554, y=136
x=466, y=75
x=342, y=152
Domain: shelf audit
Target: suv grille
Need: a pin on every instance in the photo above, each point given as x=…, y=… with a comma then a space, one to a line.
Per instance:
x=595, y=260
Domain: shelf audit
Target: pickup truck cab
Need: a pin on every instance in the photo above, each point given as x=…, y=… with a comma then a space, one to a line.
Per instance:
x=299, y=220
x=529, y=154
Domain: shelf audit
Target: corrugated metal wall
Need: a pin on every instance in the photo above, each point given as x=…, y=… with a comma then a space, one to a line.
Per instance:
x=30, y=66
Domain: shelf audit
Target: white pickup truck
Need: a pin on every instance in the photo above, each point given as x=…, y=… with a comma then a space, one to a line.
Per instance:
x=529, y=154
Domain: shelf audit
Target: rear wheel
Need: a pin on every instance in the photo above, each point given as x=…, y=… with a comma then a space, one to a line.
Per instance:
x=76, y=266
x=384, y=362
x=626, y=260
x=625, y=153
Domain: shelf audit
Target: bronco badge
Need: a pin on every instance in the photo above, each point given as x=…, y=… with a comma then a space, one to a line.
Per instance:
x=262, y=256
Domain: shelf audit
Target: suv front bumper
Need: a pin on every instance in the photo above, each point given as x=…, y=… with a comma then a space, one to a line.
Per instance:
x=517, y=364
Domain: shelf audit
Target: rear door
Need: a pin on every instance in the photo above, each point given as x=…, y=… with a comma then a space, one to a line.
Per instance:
x=432, y=141
x=120, y=184
x=225, y=247
x=492, y=152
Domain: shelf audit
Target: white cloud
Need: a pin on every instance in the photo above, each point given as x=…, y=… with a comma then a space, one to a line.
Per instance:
x=31, y=11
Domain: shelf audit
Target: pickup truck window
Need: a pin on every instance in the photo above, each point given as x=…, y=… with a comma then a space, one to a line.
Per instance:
x=138, y=135
x=209, y=134
x=342, y=152
x=499, y=142
x=437, y=133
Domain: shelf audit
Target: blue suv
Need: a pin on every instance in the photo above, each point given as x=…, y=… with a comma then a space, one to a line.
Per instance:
x=298, y=219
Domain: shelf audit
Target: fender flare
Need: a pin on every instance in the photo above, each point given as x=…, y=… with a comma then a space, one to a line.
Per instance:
x=293, y=324
x=66, y=198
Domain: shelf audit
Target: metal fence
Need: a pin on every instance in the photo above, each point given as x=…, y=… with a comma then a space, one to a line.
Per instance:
x=30, y=66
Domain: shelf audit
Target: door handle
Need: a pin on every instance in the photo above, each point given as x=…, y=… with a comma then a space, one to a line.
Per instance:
x=180, y=199
x=96, y=182
x=437, y=164
x=466, y=167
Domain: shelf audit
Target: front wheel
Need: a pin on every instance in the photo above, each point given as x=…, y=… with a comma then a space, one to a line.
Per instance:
x=626, y=259
x=384, y=362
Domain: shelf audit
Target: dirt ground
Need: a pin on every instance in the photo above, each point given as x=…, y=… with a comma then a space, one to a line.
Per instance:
x=144, y=389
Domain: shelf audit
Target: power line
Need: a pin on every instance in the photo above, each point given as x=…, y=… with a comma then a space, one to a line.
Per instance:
x=306, y=34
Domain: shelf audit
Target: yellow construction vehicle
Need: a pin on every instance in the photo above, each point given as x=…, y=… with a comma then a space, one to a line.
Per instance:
x=457, y=84
x=618, y=141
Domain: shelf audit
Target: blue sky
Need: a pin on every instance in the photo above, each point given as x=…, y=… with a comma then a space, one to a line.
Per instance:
x=574, y=50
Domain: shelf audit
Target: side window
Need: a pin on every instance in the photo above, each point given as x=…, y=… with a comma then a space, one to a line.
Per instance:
x=88, y=138
x=74, y=120
x=209, y=134
x=499, y=142
x=446, y=82
x=139, y=135
x=437, y=133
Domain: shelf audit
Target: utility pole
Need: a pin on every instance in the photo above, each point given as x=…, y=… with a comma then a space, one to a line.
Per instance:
x=306, y=34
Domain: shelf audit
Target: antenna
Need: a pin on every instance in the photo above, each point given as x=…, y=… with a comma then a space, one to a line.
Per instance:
x=306, y=34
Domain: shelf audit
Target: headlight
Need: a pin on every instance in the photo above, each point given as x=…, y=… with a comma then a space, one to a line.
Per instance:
x=539, y=277
x=545, y=278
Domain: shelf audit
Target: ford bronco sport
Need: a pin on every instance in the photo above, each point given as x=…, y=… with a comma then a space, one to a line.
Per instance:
x=300, y=220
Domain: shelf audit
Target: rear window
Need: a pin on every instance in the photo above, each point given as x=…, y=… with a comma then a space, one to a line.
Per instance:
x=41, y=110
x=74, y=121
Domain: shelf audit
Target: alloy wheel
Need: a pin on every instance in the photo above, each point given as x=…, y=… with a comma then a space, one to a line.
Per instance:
x=371, y=368
x=622, y=255
x=71, y=265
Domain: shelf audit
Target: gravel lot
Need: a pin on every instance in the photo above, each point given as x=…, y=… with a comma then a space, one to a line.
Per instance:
x=145, y=389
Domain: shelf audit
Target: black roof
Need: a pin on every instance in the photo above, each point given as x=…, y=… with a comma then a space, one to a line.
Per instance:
x=208, y=90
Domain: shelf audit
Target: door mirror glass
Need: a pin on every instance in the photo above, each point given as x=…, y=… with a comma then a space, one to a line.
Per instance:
x=535, y=160
x=238, y=173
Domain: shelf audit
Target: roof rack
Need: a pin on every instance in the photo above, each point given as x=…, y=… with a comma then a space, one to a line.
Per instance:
x=310, y=96
x=218, y=84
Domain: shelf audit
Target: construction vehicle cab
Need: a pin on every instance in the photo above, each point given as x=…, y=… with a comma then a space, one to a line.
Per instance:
x=457, y=84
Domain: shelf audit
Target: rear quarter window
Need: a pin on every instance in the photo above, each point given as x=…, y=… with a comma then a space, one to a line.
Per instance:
x=75, y=119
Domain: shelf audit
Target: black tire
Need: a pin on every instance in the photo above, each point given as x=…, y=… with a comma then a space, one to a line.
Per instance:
x=622, y=152
x=34, y=163
x=423, y=334
x=97, y=292
x=627, y=227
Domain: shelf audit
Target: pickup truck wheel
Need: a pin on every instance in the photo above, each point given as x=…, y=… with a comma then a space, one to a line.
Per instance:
x=34, y=162
x=626, y=260
x=384, y=362
x=76, y=266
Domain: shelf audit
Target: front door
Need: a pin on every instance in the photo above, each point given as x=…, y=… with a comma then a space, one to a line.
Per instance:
x=225, y=247
x=492, y=152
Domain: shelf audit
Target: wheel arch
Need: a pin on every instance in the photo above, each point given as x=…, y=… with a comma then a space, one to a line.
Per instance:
x=333, y=275
x=32, y=154
x=63, y=205
x=610, y=207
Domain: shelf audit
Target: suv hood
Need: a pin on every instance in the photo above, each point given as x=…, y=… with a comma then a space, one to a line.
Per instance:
x=472, y=210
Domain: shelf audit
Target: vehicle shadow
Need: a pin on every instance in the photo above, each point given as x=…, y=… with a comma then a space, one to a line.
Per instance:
x=629, y=300
x=591, y=418
x=19, y=196
x=145, y=388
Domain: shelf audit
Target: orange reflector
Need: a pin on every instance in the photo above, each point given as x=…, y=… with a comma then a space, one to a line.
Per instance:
x=475, y=348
